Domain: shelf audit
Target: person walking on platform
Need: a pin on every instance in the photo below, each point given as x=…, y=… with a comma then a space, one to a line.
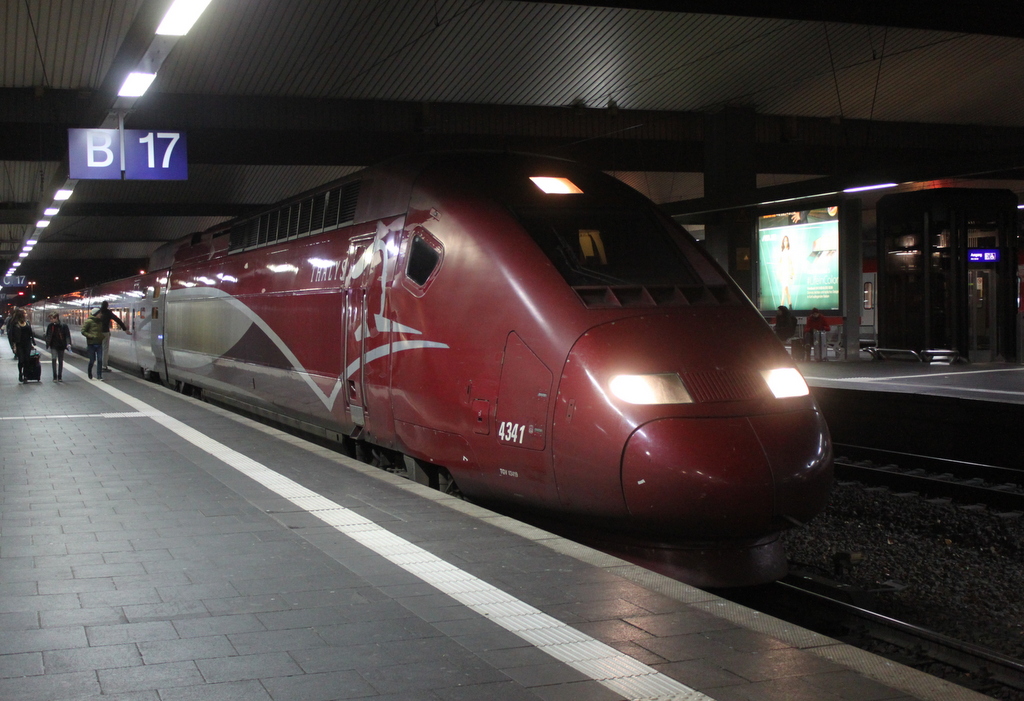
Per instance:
x=58, y=338
x=785, y=324
x=815, y=322
x=107, y=316
x=22, y=340
x=10, y=327
x=92, y=329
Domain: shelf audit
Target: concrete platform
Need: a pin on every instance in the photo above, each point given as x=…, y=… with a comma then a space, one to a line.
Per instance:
x=994, y=382
x=155, y=548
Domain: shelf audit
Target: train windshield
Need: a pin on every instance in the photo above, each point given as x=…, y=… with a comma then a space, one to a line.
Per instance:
x=593, y=246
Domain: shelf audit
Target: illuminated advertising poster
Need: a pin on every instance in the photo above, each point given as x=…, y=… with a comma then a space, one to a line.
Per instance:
x=799, y=260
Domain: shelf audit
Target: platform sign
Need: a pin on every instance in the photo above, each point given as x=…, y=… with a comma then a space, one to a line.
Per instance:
x=95, y=154
x=13, y=281
x=983, y=255
x=798, y=254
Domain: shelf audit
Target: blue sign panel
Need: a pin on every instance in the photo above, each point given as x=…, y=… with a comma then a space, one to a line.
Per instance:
x=983, y=255
x=155, y=155
x=94, y=154
x=14, y=281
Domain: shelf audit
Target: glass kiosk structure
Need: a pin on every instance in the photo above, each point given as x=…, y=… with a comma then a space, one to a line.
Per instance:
x=947, y=272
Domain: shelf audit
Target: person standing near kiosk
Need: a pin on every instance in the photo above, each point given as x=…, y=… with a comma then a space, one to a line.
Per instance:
x=105, y=317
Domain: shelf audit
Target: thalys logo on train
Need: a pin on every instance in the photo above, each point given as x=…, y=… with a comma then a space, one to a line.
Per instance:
x=382, y=325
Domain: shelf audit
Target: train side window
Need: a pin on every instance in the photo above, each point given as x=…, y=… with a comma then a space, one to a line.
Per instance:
x=423, y=258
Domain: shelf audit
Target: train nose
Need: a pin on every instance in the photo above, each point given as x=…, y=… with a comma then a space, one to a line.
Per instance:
x=728, y=477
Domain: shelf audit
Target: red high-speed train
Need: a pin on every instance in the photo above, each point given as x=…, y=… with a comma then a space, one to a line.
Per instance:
x=535, y=332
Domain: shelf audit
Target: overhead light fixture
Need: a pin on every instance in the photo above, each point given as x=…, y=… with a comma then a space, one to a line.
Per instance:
x=136, y=84
x=865, y=188
x=31, y=242
x=62, y=195
x=42, y=223
x=50, y=211
x=181, y=16
x=23, y=254
x=556, y=186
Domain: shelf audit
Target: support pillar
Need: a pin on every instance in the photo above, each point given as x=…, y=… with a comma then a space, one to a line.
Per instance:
x=730, y=179
x=851, y=272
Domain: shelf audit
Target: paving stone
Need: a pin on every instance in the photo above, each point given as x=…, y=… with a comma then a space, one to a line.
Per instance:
x=131, y=633
x=25, y=664
x=62, y=638
x=262, y=666
x=157, y=651
x=154, y=676
x=103, y=657
x=319, y=687
x=49, y=687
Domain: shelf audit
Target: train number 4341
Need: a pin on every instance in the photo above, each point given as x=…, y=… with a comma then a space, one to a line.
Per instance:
x=511, y=432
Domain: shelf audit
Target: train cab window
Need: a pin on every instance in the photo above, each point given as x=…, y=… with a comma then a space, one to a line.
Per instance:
x=615, y=246
x=424, y=257
x=591, y=247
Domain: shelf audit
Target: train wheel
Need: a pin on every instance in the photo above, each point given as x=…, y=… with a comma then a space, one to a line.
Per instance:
x=348, y=447
x=446, y=483
x=363, y=452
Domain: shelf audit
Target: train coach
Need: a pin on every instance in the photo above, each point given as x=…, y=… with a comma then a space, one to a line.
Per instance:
x=532, y=333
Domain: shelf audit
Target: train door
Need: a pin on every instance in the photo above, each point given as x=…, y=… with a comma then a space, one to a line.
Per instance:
x=981, y=314
x=353, y=310
x=357, y=261
x=867, y=310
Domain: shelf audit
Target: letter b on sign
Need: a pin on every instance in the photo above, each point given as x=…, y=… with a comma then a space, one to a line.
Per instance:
x=94, y=154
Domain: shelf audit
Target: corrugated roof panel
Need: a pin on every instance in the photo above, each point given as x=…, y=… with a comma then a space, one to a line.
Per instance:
x=63, y=43
x=23, y=181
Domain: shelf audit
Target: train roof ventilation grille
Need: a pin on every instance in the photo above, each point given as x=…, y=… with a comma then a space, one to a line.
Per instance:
x=312, y=215
x=724, y=386
x=612, y=297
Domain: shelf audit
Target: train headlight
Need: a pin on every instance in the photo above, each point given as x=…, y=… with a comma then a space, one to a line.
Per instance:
x=785, y=382
x=663, y=388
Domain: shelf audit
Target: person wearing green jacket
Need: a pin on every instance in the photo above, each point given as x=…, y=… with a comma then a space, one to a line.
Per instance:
x=92, y=329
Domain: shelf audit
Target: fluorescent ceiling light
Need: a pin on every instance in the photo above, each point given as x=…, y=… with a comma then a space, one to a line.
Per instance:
x=870, y=187
x=556, y=186
x=181, y=16
x=50, y=211
x=136, y=84
x=23, y=254
x=42, y=223
x=62, y=195
x=31, y=242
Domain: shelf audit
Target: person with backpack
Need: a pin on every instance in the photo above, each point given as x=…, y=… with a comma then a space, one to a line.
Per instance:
x=92, y=329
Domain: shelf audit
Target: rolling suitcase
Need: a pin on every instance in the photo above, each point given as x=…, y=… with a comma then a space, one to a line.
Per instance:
x=33, y=369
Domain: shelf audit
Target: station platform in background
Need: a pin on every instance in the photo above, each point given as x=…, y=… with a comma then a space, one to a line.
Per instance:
x=994, y=382
x=156, y=548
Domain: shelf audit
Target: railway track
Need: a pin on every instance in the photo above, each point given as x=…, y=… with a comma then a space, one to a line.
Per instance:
x=828, y=608
x=999, y=488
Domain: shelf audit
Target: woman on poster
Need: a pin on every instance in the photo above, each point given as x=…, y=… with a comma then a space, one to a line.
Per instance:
x=786, y=273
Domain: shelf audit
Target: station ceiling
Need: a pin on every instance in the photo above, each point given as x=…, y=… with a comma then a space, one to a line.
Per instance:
x=278, y=97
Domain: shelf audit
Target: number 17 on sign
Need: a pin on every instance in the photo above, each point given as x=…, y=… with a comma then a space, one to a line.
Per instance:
x=155, y=155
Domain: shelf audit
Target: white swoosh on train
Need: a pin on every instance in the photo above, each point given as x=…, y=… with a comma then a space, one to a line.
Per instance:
x=367, y=357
